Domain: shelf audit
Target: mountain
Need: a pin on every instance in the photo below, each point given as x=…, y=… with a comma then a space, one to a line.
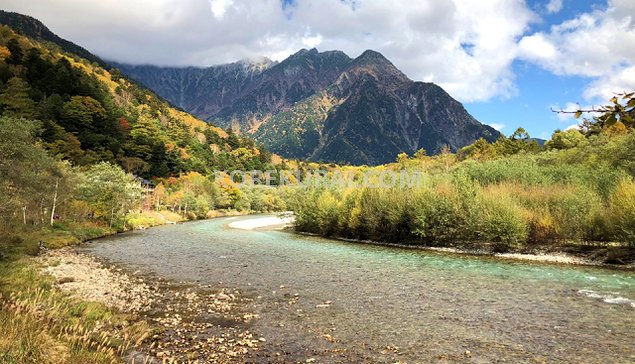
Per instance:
x=202, y=91
x=90, y=114
x=540, y=142
x=321, y=106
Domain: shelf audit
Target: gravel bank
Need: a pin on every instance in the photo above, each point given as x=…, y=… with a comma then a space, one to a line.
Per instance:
x=263, y=222
x=192, y=323
x=88, y=279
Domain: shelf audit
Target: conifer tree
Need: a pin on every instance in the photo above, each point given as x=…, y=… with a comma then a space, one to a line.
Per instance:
x=15, y=100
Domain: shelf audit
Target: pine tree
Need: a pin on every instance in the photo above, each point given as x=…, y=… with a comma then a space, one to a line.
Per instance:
x=16, y=52
x=15, y=99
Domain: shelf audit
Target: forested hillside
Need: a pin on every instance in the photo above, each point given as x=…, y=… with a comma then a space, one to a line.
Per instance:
x=89, y=114
x=86, y=151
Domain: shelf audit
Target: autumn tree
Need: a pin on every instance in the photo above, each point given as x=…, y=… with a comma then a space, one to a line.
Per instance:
x=15, y=51
x=63, y=181
x=566, y=139
x=111, y=191
x=24, y=167
x=82, y=111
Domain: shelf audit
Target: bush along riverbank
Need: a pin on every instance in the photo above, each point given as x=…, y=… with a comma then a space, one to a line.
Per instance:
x=579, y=201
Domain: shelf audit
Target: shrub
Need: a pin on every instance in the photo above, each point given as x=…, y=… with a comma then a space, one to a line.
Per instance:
x=542, y=226
x=326, y=214
x=622, y=205
x=350, y=213
x=517, y=168
x=556, y=212
x=439, y=218
x=138, y=219
x=599, y=228
x=316, y=211
x=502, y=222
x=573, y=209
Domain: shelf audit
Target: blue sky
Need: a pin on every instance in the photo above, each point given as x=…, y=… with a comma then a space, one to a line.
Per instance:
x=507, y=61
x=539, y=90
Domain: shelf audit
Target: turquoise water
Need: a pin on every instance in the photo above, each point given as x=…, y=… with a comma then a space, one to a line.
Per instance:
x=341, y=302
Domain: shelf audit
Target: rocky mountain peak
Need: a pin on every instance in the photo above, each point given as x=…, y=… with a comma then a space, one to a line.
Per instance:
x=372, y=66
x=326, y=106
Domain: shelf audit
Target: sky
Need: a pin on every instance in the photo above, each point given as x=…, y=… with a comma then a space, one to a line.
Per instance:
x=508, y=61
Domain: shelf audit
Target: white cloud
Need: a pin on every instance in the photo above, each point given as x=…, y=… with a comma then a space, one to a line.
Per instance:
x=603, y=88
x=466, y=46
x=463, y=45
x=573, y=126
x=312, y=41
x=599, y=45
x=554, y=6
x=497, y=126
x=219, y=7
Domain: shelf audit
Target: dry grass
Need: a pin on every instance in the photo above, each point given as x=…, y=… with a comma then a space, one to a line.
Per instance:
x=40, y=325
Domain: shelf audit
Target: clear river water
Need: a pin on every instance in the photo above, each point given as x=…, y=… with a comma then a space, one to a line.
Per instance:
x=356, y=302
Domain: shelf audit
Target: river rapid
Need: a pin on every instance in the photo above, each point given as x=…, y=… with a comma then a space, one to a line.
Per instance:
x=330, y=301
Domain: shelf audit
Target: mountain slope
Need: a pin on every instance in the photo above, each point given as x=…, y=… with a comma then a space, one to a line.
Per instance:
x=292, y=80
x=90, y=114
x=326, y=107
x=202, y=91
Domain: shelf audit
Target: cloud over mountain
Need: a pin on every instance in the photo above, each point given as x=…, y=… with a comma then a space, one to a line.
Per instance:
x=467, y=47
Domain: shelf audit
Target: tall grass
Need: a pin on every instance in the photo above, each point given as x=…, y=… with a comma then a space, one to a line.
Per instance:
x=514, y=203
x=622, y=211
x=43, y=326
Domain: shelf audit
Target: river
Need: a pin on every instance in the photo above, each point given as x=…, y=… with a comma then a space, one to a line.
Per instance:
x=336, y=301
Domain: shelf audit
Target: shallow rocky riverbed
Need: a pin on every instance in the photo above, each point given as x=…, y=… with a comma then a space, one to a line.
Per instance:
x=193, y=323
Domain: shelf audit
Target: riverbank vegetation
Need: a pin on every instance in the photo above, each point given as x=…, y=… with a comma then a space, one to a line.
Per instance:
x=86, y=153
x=42, y=325
x=510, y=195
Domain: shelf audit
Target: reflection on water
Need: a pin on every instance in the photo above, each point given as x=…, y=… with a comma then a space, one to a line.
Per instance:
x=339, y=302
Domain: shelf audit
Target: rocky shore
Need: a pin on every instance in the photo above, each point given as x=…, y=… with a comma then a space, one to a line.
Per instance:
x=86, y=278
x=191, y=323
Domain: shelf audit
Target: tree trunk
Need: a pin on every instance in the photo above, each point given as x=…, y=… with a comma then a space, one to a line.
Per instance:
x=57, y=183
x=124, y=216
x=24, y=214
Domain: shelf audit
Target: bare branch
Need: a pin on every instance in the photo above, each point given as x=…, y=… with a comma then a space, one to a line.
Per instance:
x=593, y=110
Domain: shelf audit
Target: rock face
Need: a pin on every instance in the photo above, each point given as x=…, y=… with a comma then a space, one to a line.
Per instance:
x=321, y=106
x=204, y=92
